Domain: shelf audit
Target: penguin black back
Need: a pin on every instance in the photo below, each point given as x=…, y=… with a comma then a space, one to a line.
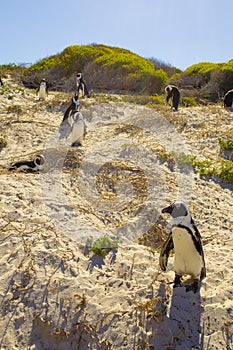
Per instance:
x=73, y=107
x=29, y=165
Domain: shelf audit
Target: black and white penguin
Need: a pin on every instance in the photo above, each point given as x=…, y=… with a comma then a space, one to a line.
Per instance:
x=228, y=99
x=31, y=166
x=43, y=90
x=81, y=85
x=73, y=127
x=186, y=241
x=173, y=93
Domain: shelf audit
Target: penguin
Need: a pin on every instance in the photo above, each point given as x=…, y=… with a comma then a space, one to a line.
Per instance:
x=186, y=241
x=173, y=93
x=73, y=125
x=228, y=99
x=30, y=166
x=43, y=90
x=81, y=85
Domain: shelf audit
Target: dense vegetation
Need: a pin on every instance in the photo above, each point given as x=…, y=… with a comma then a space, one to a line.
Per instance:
x=117, y=70
x=206, y=81
x=104, y=68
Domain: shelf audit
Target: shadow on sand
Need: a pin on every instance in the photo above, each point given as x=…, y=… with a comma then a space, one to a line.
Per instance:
x=180, y=326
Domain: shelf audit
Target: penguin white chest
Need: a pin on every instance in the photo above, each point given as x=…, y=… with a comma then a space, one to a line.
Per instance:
x=42, y=92
x=77, y=131
x=22, y=167
x=187, y=258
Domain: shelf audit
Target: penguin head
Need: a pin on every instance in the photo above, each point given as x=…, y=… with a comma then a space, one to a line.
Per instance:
x=179, y=212
x=43, y=82
x=167, y=89
x=39, y=160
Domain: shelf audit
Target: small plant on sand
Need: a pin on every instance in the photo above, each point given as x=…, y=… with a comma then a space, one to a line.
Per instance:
x=226, y=171
x=14, y=109
x=173, y=158
x=223, y=169
x=103, y=245
x=3, y=142
x=204, y=167
x=226, y=148
x=182, y=159
x=226, y=144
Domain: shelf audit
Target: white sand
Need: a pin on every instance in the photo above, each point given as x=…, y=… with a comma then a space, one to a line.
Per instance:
x=52, y=296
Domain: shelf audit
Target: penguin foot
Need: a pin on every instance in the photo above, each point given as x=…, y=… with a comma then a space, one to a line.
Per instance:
x=76, y=144
x=193, y=287
x=177, y=281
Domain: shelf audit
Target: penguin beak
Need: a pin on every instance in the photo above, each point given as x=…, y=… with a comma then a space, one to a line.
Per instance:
x=168, y=209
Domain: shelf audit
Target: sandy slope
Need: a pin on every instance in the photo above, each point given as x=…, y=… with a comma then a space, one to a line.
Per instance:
x=54, y=294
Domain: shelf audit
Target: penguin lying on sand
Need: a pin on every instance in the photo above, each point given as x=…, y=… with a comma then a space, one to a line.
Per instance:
x=186, y=241
x=30, y=166
x=73, y=125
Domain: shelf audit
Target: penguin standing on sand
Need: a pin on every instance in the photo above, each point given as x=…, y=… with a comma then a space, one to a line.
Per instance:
x=173, y=93
x=30, y=166
x=81, y=85
x=73, y=126
x=43, y=90
x=186, y=241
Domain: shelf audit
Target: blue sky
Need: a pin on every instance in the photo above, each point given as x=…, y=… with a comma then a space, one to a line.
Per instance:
x=179, y=32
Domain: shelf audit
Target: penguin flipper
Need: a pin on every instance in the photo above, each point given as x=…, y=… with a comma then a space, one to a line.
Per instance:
x=167, y=247
x=199, y=247
x=67, y=113
x=203, y=272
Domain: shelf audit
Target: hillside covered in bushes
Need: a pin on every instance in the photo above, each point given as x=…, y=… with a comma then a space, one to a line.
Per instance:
x=117, y=70
x=206, y=80
x=104, y=68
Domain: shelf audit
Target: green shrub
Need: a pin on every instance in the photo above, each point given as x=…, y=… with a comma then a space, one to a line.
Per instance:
x=227, y=145
x=127, y=61
x=203, y=68
x=189, y=102
x=226, y=171
x=14, y=109
x=103, y=246
x=209, y=80
x=205, y=167
x=3, y=142
x=11, y=69
x=222, y=169
x=226, y=148
x=182, y=159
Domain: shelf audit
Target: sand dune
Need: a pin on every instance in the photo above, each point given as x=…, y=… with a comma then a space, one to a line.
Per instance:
x=54, y=292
